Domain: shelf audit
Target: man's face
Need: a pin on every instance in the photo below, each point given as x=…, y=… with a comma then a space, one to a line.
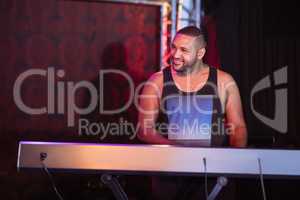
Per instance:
x=183, y=53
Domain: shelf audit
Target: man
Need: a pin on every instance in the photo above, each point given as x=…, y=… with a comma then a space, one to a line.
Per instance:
x=191, y=100
x=190, y=74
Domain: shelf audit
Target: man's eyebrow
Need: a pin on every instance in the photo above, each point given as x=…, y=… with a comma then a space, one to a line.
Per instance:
x=182, y=46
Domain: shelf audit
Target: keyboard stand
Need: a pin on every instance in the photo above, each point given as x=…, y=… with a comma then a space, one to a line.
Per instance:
x=221, y=182
x=114, y=185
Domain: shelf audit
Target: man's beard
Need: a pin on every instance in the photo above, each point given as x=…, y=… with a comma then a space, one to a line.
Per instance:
x=185, y=68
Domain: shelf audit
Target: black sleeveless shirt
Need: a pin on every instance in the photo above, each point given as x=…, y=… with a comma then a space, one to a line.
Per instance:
x=192, y=118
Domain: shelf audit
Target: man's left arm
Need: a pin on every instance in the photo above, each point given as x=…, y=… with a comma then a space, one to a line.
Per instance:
x=234, y=114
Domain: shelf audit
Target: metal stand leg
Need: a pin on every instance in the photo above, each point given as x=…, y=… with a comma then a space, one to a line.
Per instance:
x=221, y=182
x=114, y=185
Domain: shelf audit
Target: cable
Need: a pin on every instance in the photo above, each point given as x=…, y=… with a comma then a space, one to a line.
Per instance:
x=205, y=178
x=261, y=179
x=42, y=158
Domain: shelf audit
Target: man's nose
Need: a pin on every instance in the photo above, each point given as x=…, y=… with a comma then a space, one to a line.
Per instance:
x=176, y=53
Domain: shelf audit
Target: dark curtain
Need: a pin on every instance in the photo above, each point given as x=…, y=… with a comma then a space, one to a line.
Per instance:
x=256, y=38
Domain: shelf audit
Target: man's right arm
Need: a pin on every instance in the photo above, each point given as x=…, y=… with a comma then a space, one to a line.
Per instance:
x=149, y=104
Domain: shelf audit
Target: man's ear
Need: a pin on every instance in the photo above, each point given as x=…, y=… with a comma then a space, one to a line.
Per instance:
x=201, y=53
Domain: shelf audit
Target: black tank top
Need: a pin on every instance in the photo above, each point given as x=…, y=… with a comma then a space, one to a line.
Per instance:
x=193, y=118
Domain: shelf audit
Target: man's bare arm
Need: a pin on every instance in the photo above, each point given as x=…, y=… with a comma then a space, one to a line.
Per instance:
x=149, y=103
x=234, y=114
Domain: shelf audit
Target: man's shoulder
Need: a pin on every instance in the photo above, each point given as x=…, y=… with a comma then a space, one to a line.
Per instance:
x=224, y=77
x=157, y=77
x=154, y=84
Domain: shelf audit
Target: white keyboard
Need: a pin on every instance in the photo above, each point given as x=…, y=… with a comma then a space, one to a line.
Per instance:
x=121, y=158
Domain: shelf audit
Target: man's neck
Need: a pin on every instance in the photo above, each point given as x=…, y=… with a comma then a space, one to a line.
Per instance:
x=192, y=81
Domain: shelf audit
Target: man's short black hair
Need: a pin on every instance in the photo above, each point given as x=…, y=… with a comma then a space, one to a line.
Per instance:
x=194, y=32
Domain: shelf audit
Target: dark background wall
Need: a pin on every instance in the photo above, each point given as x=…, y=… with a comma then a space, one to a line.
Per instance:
x=255, y=39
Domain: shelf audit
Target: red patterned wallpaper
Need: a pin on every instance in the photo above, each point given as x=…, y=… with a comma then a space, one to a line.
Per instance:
x=79, y=38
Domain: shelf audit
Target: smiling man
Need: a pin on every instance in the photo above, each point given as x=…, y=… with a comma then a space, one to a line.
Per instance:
x=194, y=100
x=187, y=104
